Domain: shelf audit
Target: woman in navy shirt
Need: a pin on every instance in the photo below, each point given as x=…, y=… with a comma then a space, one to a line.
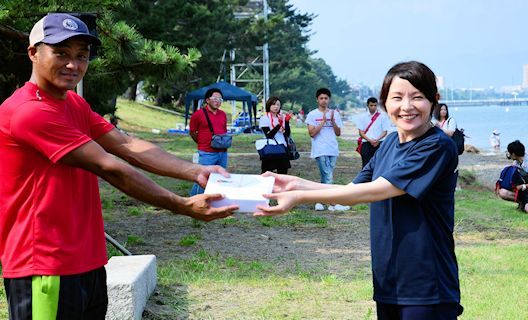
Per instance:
x=410, y=183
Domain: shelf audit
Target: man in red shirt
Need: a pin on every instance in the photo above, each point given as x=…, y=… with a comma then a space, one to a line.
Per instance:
x=53, y=146
x=201, y=133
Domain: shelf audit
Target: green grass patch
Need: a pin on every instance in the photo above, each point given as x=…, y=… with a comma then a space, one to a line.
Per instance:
x=493, y=281
x=258, y=291
x=189, y=240
x=294, y=218
x=134, y=211
x=134, y=240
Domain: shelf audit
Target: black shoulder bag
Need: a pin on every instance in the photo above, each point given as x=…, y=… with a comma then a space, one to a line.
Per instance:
x=219, y=141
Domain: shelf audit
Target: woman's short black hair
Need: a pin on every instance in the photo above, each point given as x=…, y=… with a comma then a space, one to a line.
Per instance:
x=418, y=74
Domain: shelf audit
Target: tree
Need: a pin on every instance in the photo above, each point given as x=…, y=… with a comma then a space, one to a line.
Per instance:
x=124, y=57
x=207, y=25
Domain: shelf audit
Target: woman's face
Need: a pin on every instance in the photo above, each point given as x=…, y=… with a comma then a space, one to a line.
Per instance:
x=409, y=109
x=443, y=112
x=275, y=108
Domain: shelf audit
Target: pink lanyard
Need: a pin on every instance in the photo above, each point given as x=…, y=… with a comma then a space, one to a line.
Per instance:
x=270, y=115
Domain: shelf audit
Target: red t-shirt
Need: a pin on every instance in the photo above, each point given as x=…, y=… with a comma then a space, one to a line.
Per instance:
x=199, y=124
x=50, y=213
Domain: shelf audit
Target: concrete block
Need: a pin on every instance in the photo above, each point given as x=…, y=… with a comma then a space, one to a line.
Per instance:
x=130, y=280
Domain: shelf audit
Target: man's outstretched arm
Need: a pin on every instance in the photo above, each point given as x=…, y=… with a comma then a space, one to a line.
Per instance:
x=149, y=157
x=92, y=157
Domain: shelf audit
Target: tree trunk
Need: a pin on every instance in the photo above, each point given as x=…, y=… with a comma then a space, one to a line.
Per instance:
x=131, y=93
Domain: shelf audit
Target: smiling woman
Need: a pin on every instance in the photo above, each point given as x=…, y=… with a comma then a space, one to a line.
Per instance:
x=410, y=183
x=409, y=95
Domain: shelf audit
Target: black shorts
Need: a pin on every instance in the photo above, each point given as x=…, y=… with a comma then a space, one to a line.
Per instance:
x=80, y=296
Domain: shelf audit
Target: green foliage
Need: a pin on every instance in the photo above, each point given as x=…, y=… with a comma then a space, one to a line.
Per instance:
x=124, y=57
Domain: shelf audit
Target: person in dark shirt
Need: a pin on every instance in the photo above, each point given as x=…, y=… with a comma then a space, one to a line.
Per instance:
x=410, y=183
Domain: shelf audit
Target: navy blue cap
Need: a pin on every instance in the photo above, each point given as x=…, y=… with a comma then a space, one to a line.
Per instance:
x=57, y=27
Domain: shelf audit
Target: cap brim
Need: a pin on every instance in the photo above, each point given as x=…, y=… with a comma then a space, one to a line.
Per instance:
x=58, y=38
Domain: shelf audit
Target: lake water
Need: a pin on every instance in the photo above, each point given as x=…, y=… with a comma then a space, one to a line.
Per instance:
x=479, y=122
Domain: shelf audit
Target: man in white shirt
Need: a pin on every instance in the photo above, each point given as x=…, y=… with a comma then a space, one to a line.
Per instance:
x=373, y=126
x=324, y=125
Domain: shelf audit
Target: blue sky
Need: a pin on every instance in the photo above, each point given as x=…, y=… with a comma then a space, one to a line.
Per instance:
x=470, y=43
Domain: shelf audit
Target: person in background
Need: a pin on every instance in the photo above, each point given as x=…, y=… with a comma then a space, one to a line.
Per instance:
x=200, y=132
x=54, y=148
x=494, y=140
x=410, y=185
x=516, y=152
x=373, y=126
x=276, y=126
x=324, y=126
x=442, y=119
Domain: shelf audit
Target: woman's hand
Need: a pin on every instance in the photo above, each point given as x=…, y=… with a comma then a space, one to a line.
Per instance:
x=285, y=202
x=285, y=182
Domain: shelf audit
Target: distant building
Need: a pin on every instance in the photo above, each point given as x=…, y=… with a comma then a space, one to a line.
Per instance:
x=510, y=89
x=440, y=82
x=525, y=76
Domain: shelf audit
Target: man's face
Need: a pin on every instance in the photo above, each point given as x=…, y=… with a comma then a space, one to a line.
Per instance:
x=372, y=106
x=323, y=100
x=59, y=68
x=215, y=101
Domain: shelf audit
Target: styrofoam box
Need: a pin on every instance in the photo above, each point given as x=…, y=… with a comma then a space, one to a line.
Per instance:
x=244, y=190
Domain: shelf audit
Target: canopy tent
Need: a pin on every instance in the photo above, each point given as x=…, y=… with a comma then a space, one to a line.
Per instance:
x=229, y=92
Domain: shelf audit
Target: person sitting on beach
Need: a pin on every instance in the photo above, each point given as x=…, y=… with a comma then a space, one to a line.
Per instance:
x=442, y=120
x=512, y=187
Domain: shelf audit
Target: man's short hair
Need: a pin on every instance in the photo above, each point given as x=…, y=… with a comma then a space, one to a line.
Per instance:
x=209, y=93
x=323, y=91
x=57, y=27
x=516, y=147
x=372, y=100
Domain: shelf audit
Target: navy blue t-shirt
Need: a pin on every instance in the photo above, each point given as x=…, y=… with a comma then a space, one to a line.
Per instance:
x=413, y=257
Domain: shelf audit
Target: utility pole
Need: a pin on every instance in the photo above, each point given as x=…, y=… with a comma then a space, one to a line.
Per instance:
x=265, y=55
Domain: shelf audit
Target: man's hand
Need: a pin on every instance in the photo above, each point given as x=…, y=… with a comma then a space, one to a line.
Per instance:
x=332, y=116
x=205, y=171
x=198, y=207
